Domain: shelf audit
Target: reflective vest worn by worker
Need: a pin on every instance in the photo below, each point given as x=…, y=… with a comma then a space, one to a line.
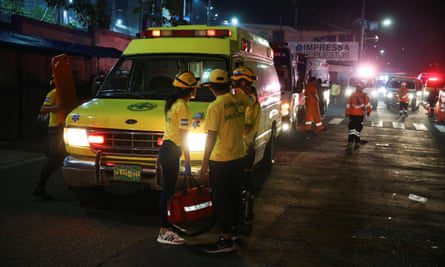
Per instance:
x=358, y=104
x=312, y=108
x=440, y=107
x=402, y=93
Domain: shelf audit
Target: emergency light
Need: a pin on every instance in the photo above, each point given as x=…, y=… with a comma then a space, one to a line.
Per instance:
x=186, y=33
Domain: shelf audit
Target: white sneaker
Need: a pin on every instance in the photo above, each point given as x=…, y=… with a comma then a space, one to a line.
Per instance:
x=170, y=238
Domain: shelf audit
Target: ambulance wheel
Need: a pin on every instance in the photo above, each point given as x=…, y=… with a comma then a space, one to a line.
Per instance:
x=269, y=152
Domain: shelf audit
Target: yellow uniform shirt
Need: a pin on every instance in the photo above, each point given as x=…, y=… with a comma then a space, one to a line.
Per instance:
x=252, y=119
x=226, y=116
x=56, y=118
x=177, y=119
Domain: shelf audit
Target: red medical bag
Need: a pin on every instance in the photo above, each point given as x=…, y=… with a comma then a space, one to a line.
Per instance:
x=190, y=204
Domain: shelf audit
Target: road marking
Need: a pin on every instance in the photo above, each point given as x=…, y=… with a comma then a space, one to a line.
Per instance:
x=441, y=128
x=420, y=127
x=398, y=125
x=336, y=121
x=377, y=124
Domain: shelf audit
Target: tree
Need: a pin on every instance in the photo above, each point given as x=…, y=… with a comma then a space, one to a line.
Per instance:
x=88, y=13
x=151, y=10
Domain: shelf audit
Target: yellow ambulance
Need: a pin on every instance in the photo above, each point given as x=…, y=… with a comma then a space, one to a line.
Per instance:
x=115, y=137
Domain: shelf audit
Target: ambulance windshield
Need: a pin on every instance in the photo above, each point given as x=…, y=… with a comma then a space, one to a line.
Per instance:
x=151, y=77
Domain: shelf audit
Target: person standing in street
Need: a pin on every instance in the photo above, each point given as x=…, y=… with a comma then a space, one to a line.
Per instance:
x=403, y=97
x=54, y=145
x=224, y=155
x=312, y=107
x=356, y=107
x=320, y=97
x=243, y=79
x=177, y=123
x=335, y=92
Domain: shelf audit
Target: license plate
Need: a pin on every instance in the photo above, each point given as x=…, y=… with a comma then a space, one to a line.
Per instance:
x=127, y=173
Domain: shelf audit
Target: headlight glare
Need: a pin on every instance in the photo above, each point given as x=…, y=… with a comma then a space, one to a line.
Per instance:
x=419, y=93
x=76, y=137
x=196, y=142
x=410, y=96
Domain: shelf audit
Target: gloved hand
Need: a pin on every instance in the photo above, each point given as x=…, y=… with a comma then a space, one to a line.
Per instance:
x=188, y=168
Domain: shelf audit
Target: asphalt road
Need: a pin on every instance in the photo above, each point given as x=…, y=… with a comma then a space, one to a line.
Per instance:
x=318, y=207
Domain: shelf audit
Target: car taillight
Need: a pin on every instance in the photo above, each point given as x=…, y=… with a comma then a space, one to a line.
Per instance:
x=160, y=141
x=96, y=139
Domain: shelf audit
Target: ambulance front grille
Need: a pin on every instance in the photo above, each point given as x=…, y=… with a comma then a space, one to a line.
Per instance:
x=121, y=142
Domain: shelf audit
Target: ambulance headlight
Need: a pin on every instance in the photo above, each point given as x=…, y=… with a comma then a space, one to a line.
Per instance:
x=390, y=95
x=286, y=127
x=349, y=91
x=285, y=109
x=374, y=93
x=410, y=96
x=419, y=93
x=196, y=142
x=382, y=90
x=76, y=137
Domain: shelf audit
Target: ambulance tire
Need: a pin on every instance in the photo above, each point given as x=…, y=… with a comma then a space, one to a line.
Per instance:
x=269, y=152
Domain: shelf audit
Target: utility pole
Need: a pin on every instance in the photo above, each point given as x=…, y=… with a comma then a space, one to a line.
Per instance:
x=362, y=30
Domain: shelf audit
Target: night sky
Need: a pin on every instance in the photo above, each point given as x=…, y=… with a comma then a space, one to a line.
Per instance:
x=418, y=26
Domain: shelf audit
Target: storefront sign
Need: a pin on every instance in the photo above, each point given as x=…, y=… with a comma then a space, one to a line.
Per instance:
x=334, y=51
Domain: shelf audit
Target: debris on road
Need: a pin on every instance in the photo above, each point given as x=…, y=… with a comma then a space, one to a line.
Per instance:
x=417, y=198
x=382, y=144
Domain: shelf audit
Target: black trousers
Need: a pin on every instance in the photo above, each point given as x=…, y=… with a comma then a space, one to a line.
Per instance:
x=403, y=108
x=169, y=154
x=225, y=180
x=55, y=153
x=355, y=128
x=247, y=188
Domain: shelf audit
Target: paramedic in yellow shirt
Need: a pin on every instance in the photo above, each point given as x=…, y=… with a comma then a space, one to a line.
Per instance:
x=177, y=123
x=54, y=146
x=224, y=155
x=243, y=79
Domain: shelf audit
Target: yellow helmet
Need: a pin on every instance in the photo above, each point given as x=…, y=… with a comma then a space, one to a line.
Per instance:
x=218, y=76
x=185, y=80
x=243, y=73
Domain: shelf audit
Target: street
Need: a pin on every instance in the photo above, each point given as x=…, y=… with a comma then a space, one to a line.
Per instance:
x=318, y=207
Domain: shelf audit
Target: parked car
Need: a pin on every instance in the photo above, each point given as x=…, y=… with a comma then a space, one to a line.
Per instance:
x=414, y=88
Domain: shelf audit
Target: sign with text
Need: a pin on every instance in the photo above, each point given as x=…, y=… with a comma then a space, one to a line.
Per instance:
x=335, y=51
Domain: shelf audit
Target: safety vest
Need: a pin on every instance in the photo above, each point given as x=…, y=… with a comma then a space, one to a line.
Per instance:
x=403, y=95
x=358, y=104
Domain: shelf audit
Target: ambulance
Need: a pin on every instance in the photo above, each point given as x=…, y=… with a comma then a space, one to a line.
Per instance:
x=115, y=137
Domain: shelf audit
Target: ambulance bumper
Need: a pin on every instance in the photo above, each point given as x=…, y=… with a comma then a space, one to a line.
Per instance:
x=86, y=172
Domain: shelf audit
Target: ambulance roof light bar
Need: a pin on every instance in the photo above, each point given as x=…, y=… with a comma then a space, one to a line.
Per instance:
x=186, y=33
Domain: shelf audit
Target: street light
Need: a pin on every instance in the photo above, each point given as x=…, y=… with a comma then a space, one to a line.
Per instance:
x=387, y=22
x=234, y=21
x=382, y=51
